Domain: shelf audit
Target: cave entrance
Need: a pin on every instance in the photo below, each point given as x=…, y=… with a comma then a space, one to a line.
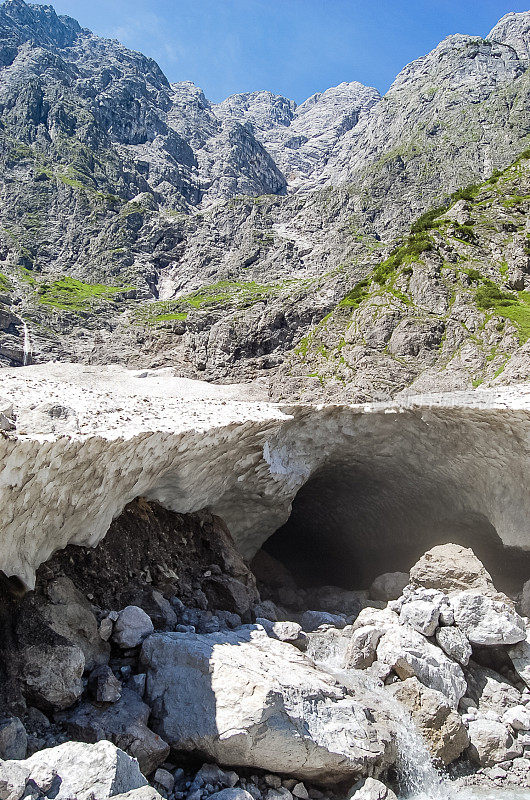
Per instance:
x=349, y=525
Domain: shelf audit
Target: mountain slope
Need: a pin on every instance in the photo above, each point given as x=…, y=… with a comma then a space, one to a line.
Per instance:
x=142, y=224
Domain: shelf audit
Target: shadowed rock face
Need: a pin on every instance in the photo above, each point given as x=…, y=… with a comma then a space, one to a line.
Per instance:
x=368, y=478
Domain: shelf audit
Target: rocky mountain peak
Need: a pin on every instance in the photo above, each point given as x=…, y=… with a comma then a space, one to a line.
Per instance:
x=514, y=30
x=261, y=110
x=37, y=24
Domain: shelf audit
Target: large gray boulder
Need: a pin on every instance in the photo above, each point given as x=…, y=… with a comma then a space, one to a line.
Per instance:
x=53, y=674
x=73, y=770
x=70, y=615
x=487, y=621
x=451, y=568
x=411, y=655
x=245, y=699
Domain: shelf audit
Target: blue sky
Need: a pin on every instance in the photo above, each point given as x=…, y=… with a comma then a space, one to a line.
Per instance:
x=292, y=47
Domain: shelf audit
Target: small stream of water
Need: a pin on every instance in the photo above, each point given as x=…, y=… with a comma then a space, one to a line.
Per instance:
x=418, y=777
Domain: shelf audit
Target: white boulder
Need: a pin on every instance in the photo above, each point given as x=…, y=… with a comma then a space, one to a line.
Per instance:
x=245, y=699
x=362, y=649
x=84, y=771
x=420, y=614
x=517, y=718
x=455, y=644
x=487, y=621
x=411, y=655
x=370, y=789
x=490, y=742
x=131, y=627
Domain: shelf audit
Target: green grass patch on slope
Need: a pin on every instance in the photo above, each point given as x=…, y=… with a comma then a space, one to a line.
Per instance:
x=69, y=294
x=514, y=306
x=229, y=294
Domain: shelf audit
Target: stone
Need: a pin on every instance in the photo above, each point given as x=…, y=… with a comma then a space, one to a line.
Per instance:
x=143, y=793
x=311, y=620
x=329, y=646
x=455, y=644
x=104, y=685
x=70, y=615
x=229, y=594
x=525, y=599
x=451, y=568
x=334, y=600
x=232, y=794
x=300, y=791
x=125, y=724
x=239, y=697
x=84, y=771
x=422, y=615
x=267, y=610
x=490, y=742
x=13, y=778
x=164, y=779
x=370, y=789
x=486, y=621
x=131, y=627
x=382, y=618
x=105, y=628
x=362, y=649
x=167, y=619
x=290, y=632
x=520, y=656
x=274, y=781
x=13, y=738
x=518, y=718
x=439, y=724
x=492, y=693
x=53, y=674
x=411, y=655
x=388, y=586
x=213, y=774
x=137, y=683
